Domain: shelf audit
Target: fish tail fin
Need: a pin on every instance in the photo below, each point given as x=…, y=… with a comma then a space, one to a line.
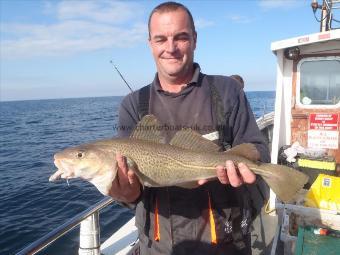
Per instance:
x=283, y=180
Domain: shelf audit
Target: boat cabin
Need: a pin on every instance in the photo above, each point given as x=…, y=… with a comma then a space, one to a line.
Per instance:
x=307, y=114
x=307, y=101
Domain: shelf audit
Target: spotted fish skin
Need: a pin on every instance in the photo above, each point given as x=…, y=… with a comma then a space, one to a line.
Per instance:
x=187, y=159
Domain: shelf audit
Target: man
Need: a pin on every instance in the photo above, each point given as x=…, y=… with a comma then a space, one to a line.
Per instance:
x=213, y=218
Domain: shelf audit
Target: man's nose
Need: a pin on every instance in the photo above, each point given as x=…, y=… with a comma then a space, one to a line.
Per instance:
x=171, y=46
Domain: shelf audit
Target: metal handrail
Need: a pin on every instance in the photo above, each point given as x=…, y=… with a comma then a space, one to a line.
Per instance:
x=49, y=238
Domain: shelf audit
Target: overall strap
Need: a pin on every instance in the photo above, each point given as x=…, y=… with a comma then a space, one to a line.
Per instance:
x=149, y=196
x=144, y=98
x=221, y=116
x=240, y=218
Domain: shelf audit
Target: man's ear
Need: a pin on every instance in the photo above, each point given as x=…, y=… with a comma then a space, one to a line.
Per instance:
x=149, y=41
x=195, y=39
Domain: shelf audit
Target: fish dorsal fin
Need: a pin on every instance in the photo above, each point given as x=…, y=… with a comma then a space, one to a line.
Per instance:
x=247, y=150
x=148, y=129
x=191, y=140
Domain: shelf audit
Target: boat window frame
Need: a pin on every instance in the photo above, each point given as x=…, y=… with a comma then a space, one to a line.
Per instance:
x=298, y=84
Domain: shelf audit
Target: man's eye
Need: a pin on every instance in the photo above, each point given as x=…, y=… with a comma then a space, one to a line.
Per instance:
x=159, y=40
x=182, y=38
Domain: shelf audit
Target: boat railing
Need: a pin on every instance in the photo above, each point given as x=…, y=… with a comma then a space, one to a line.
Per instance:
x=265, y=120
x=89, y=242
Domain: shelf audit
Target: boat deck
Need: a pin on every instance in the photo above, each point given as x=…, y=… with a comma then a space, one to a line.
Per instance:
x=263, y=235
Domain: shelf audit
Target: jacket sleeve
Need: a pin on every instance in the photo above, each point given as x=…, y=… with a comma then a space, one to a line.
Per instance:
x=244, y=126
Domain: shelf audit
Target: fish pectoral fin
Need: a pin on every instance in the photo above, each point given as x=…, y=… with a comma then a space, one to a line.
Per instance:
x=148, y=129
x=246, y=150
x=191, y=140
x=193, y=184
x=143, y=179
x=131, y=164
x=188, y=185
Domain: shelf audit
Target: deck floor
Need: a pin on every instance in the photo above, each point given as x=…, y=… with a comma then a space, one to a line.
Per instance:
x=263, y=234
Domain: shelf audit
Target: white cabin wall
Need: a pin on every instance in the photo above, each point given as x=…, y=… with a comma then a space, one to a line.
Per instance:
x=283, y=104
x=278, y=118
x=288, y=101
x=330, y=47
x=282, y=118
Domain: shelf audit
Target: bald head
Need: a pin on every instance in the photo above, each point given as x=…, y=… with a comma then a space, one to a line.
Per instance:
x=171, y=7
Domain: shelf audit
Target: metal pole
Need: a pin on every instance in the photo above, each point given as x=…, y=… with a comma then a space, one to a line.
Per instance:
x=89, y=237
x=324, y=19
x=330, y=15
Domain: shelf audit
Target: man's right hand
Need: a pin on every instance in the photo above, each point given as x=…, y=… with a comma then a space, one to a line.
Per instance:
x=126, y=186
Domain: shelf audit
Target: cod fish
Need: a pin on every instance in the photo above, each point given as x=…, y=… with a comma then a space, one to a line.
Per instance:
x=187, y=158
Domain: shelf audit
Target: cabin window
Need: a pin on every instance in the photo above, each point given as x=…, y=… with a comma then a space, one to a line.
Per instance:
x=319, y=81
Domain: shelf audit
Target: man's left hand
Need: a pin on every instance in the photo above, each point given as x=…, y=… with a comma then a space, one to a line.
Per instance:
x=233, y=175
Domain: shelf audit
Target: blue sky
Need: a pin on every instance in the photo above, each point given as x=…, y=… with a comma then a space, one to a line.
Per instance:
x=62, y=49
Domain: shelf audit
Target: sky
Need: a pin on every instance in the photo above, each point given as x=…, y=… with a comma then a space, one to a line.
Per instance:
x=63, y=49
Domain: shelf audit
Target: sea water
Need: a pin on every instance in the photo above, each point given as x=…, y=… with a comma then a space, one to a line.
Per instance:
x=31, y=132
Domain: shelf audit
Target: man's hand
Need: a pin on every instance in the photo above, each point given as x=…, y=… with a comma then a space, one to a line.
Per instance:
x=235, y=176
x=126, y=186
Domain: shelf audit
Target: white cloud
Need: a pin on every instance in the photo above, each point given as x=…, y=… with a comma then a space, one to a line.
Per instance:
x=79, y=26
x=275, y=4
x=103, y=11
x=203, y=23
x=241, y=19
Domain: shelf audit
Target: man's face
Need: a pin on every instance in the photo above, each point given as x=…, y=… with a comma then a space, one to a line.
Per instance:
x=172, y=42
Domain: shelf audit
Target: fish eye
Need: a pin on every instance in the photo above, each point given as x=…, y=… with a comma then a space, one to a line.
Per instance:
x=80, y=154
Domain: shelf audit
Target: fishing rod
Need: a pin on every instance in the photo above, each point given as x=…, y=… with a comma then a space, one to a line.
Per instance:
x=121, y=76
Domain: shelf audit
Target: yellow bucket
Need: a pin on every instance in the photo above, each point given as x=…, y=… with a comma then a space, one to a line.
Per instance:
x=324, y=193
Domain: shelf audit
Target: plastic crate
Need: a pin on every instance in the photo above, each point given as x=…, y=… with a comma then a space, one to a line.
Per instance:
x=309, y=243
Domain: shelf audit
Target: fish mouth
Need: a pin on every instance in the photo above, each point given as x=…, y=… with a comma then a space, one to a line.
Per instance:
x=65, y=170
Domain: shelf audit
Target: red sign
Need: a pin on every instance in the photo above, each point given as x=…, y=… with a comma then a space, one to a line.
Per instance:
x=324, y=36
x=324, y=121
